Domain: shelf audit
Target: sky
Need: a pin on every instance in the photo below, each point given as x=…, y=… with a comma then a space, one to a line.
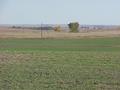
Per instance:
x=97, y=12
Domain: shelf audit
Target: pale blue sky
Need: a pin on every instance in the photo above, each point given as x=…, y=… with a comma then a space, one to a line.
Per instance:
x=60, y=11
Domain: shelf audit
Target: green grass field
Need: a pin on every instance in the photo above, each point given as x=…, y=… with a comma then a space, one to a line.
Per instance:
x=60, y=64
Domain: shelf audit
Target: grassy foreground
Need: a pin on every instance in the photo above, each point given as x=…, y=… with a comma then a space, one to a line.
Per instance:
x=60, y=64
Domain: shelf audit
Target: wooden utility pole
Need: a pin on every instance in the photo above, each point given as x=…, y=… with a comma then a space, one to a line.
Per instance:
x=41, y=31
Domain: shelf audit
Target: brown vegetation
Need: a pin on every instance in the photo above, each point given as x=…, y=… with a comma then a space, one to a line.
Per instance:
x=27, y=33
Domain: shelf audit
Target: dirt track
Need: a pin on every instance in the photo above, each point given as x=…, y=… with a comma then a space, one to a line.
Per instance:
x=25, y=33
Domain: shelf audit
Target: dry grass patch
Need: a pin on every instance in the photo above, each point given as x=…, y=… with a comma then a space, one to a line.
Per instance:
x=26, y=33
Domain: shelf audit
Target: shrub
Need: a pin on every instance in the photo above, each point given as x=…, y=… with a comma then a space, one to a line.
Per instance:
x=57, y=29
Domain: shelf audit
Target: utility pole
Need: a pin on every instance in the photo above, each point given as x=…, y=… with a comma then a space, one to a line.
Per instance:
x=41, y=31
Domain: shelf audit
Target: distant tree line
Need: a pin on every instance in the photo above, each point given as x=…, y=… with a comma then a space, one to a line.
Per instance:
x=73, y=27
x=34, y=28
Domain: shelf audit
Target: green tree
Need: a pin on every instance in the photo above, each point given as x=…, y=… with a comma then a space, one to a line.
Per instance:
x=73, y=26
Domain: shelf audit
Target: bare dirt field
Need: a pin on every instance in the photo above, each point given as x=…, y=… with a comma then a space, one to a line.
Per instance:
x=27, y=33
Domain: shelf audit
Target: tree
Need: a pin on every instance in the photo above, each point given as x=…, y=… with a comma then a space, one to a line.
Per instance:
x=73, y=26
